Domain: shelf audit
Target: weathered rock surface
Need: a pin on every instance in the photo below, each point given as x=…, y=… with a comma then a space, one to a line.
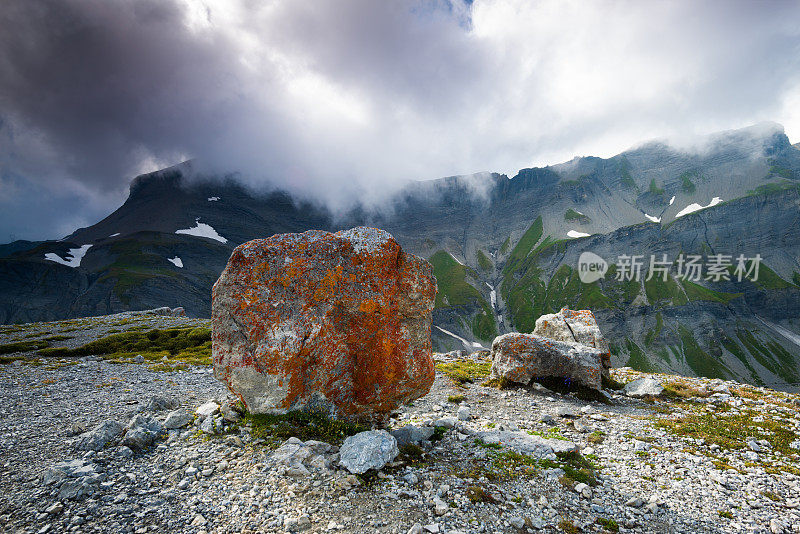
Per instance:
x=300, y=458
x=535, y=446
x=579, y=326
x=142, y=431
x=177, y=419
x=368, y=450
x=412, y=434
x=99, y=436
x=74, y=479
x=338, y=322
x=643, y=387
x=520, y=358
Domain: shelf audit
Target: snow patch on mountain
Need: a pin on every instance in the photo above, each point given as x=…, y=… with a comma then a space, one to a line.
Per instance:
x=672, y=200
x=575, y=233
x=654, y=219
x=213, y=199
x=693, y=207
x=467, y=344
x=176, y=261
x=202, y=230
x=73, y=257
x=452, y=256
x=114, y=235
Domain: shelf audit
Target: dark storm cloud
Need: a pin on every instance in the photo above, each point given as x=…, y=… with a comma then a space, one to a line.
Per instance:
x=352, y=97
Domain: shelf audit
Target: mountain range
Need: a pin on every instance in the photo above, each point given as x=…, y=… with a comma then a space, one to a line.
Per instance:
x=504, y=250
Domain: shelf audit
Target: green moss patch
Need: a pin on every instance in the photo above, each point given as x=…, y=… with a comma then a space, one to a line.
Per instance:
x=23, y=346
x=465, y=371
x=188, y=345
x=733, y=430
x=303, y=425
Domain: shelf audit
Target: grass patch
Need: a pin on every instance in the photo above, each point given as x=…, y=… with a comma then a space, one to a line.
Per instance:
x=453, y=288
x=726, y=514
x=455, y=399
x=465, y=371
x=608, y=524
x=624, y=167
x=733, y=431
x=596, y=437
x=10, y=359
x=565, y=525
x=303, y=425
x=578, y=467
x=478, y=494
x=23, y=346
x=683, y=390
x=531, y=236
x=695, y=292
x=480, y=443
x=187, y=345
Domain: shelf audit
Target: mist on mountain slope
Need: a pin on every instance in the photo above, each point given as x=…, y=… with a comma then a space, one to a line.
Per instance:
x=351, y=100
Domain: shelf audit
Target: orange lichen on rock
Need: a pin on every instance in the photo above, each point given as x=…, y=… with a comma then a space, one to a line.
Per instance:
x=339, y=322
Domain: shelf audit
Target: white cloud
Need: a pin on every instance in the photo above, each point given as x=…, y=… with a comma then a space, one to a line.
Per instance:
x=349, y=98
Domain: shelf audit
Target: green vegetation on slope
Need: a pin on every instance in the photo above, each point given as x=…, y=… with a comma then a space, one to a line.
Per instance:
x=454, y=290
x=529, y=239
x=624, y=168
x=483, y=324
x=654, y=189
x=773, y=188
x=189, y=345
x=686, y=181
x=637, y=358
x=697, y=292
x=769, y=279
x=576, y=216
x=771, y=356
x=451, y=279
x=483, y=261
x=664, y=293
x=699, y=360
x=653, y=334
x=134, y=266
x=783, y=172
x=23, y=346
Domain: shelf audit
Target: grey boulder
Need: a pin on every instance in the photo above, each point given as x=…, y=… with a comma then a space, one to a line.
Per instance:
x=411, y=434
x=99, y=436
x=520, y=358
x=643, y=387
x=372, y=449
x=143, y=431
x=178, y=419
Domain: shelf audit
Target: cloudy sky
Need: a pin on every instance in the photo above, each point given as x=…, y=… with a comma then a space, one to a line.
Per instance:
x=351, y=97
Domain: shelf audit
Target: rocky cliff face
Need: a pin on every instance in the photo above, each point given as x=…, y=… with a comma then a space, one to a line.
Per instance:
x=504, y=250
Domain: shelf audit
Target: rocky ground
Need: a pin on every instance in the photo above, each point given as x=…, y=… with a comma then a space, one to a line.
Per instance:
x=705, y=456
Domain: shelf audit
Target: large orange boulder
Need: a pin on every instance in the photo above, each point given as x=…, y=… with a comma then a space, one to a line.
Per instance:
x=336, y=322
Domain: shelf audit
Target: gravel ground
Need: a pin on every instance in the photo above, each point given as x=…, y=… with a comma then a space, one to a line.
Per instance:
x=649, y=478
